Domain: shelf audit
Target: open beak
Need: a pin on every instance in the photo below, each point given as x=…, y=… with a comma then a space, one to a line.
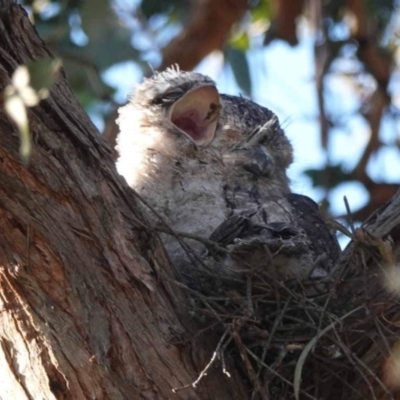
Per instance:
x=196, y=114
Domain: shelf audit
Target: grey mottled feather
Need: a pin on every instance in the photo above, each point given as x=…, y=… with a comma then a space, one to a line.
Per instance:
x=300, y=243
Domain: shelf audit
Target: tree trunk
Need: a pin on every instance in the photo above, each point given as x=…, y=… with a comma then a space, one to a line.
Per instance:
x=85, y=312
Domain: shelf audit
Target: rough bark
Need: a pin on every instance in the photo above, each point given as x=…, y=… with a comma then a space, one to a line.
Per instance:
x=84, y=310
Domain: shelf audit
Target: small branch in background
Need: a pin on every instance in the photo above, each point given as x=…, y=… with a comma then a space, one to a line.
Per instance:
x=378, y=63
x=321, y=58
x=207, y=30
x=380, y=66
x=379, y=195
x=378, y=101
x=284, y=21
x=325, y=52
x=350, y=219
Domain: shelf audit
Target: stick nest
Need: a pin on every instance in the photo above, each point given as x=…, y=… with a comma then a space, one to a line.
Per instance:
x=316, y=339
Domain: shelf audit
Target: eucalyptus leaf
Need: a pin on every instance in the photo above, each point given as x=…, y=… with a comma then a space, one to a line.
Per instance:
x=330, y=177
x=153, y=7
x=43, y=72
x=240, y=67
x=261, y=11
x=240, y=41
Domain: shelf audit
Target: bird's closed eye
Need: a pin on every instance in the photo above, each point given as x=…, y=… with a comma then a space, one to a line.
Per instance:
x=173, y=94
x=168, y=97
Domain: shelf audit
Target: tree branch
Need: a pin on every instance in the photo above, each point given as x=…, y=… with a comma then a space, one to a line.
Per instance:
x=206, y=31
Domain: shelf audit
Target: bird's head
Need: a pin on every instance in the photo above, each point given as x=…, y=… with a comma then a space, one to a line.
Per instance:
x=250, y=125
x=181, y=103
x=181, y=116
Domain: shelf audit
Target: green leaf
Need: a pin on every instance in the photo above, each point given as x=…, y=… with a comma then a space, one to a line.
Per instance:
x=380, y=7
x=262, y=11
x=42, y=73
x=240, y=67
x=328, y=177
x=153, y=7
x=240, y=41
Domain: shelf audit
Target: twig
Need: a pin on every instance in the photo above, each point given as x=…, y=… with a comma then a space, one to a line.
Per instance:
x=349, y=215
x=334, y=224
x=207, y=367
x=310, y=346
x=277, y=321
x=355, y=360
x=205, y=241
x=277, y=374
x=250, y=309
x=250, y=370
x=331, y=371
x=204, y=299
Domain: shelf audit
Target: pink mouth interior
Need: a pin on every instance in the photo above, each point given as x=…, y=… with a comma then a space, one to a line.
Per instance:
x=187, y=123
x=196, y=114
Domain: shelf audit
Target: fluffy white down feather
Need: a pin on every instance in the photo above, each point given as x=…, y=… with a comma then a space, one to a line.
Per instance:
x=181, y=182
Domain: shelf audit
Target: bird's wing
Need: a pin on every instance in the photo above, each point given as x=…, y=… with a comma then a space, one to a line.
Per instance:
x=324, y=244
x=232, y=228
